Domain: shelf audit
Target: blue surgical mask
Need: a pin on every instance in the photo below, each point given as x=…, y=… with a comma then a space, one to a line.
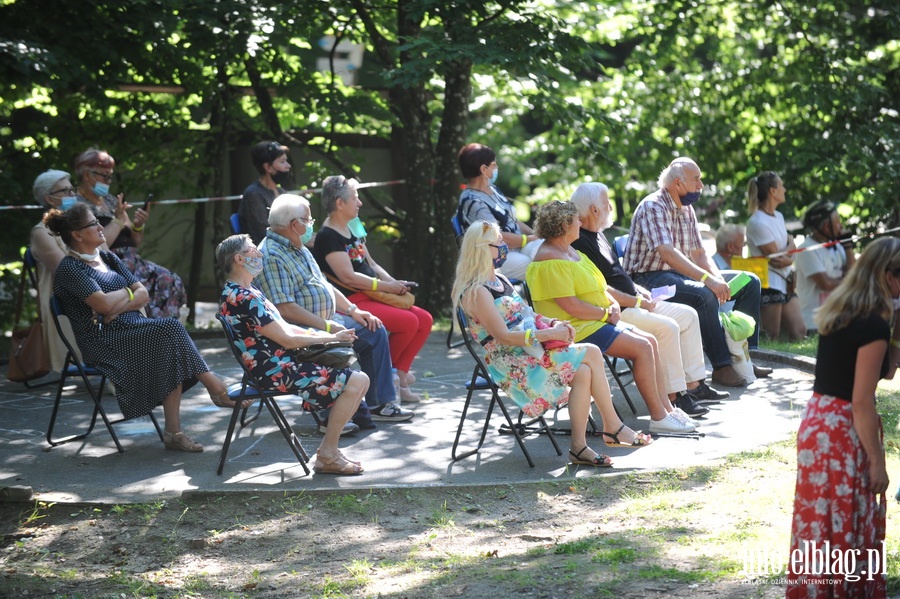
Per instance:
x=67, y=202
x=253, y=265
x=101, y=189
x=495, y=174
x=502, y=253
x=356, y=227
x=304, y=239
x=690, y=198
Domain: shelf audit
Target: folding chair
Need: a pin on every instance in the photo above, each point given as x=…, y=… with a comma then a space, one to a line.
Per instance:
x=29, y=265
x=235, y=221
x=621, y=243
x=72, y=366
x=251, y=387
x=486, y=383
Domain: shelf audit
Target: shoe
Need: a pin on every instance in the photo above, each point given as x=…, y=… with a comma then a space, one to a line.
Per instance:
x=223, y=400
x=598, y=461
x=391, y=412
x=671, y=424
x=684, y=419
x=337, y=465
x=704, y=394
x=349, y=429
x=761, y=372
x=180, y=442
x=640, y=439
x=404, y=394
x=364, y=424
x=727, y=376
x=686, y=403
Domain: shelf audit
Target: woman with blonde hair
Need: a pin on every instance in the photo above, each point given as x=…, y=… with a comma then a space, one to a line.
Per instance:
x=841, y=475
x=534, y=384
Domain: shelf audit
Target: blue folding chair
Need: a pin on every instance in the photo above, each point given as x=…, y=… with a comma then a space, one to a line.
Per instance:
x=235, y=221
x=621, y=243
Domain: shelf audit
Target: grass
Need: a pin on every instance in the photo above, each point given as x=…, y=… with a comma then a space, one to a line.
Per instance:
x=807, y=347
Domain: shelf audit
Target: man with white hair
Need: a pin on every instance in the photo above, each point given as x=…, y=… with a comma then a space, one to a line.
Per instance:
x=730, y=240
x=292, y=281
x=675, y=326
x=664, y=248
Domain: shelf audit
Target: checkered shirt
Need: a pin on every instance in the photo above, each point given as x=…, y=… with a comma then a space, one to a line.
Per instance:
x=292, y=275
x=659, y=221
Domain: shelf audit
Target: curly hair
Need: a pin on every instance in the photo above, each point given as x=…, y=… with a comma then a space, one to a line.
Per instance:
x=553, y=218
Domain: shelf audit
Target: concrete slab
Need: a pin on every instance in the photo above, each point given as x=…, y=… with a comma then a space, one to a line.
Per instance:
x=416, y=453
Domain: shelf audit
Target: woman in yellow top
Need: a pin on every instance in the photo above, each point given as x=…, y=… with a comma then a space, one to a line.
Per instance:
x=565, y=284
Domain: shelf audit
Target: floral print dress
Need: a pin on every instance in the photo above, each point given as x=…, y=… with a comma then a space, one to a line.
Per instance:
x=247, y=310
x=534, y=384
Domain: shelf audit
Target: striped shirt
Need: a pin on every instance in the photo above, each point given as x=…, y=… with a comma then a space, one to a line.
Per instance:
x=291, y=275
x=659, y=221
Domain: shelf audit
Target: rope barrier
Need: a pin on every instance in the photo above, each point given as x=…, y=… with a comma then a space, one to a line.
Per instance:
x=833, y=242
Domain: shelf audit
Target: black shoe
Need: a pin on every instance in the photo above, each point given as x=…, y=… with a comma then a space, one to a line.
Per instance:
x=761, y=372
x=364, y=424
x=704, y=394
x=685, y=402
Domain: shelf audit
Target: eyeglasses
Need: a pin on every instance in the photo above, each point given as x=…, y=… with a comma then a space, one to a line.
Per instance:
x=93, y=223
x=306, y=221
x=107, y=177
x=66, y=191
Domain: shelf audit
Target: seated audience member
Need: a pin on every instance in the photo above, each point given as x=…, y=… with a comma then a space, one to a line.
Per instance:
x=730, y=240
x=820, y=271
x=271, y=161
x=124, y=234
x=53, y=189
x=482, y=200
x=151, y=361
x=766, y=235
x=664, y=248
x=266, y=340
x=293, y=281
x=676, y=327
x=343, y=255
x=534, y=384
x=565, y=284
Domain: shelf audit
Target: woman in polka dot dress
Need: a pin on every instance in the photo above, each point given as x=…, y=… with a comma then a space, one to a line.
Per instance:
x=150, y=361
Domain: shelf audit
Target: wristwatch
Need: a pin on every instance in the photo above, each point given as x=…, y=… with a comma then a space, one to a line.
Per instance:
x=351, y=309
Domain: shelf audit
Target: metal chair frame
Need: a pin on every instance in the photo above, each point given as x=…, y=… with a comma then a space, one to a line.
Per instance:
x=75, y=366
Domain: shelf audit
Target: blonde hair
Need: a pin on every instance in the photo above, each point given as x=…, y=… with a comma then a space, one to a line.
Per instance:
x=475, y=266
x=864, y=290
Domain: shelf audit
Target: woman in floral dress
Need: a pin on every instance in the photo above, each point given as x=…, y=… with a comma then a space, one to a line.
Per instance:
x=534, y=384
x=839, y=503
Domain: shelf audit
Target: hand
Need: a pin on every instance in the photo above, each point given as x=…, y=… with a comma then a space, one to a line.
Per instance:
x=122, y=208
x=371, y=321
x=140, y=217
x=393, y=287
x=878, y=478
x=648, y=304
x=335, y=326
x=561, y=331
x=719, y=288
x=345, y=335
x=613, y=313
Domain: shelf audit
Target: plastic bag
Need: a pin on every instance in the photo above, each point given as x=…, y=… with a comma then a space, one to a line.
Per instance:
x=737, y=325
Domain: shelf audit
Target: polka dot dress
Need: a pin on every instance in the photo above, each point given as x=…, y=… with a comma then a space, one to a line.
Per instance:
x=144, y=358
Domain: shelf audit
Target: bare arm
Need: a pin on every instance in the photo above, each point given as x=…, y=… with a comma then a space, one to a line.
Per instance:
x=483, y=308
x=823, y=281
x=111, y=304
x=294, y=313
x=781, y=261
x=695, y=270
x=865, y=418
x=289, y=337
x=343, y=269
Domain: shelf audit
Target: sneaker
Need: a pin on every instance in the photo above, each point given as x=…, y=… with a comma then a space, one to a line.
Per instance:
x=349, y=428
x=686, y=403
x=684, y=419
x=671, y=424
x=704, y=394
x=391, y=412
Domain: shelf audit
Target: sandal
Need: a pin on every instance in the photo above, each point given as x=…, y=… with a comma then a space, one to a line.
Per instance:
x=640, y=439
x=598, y=461
x=337, y=465
x=180, y=442
x=223, y=400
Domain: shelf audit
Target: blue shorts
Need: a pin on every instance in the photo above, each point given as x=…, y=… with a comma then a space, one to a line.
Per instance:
x=605, y=335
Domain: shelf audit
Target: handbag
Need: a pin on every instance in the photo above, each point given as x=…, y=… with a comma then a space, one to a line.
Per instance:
x=28, y=359
x=404, y=302
x=540, y=323
x=333, y=354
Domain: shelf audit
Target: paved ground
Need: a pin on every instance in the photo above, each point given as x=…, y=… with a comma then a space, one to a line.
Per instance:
x=415, y=453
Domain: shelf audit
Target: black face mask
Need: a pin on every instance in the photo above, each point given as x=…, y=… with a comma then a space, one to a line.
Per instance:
x=283, y=179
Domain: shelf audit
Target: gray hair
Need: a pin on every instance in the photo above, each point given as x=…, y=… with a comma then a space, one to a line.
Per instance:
x=228, y=248
x=45, y=182
x=727, y=233
x=675, y=170
x=334, y=188
x=587, y=195
x=284, y=209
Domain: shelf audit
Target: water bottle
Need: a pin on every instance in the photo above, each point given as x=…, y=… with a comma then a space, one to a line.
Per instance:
x=527, y=324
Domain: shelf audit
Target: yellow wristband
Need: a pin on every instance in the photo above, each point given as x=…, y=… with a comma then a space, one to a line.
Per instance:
x=637, y=302
x=137, y=229
x=529, y=337
x=374, y=284
x=327, y=327
x=605, y=314
x=130, y=293
x=524, y=239
x=895, y=343
x=704, y=277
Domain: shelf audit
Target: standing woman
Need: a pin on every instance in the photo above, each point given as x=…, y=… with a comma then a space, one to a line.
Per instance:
x=344, y=256
x=124, y=234
x=270, y=159
x=766, y=234
x=151, y=361
x=841, y=475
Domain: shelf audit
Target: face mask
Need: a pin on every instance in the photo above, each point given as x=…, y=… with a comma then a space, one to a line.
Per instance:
x=690, y=198
x=86, y=257
x=253, y=265
x=495, y=174
x=101, y=189
x=356, y=227
x=67, y=202
x=304, y=239
x=896, y=303
x=502, y=253
x=283, y=179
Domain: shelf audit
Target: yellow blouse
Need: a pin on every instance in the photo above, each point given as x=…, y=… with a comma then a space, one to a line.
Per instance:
x=551, y=279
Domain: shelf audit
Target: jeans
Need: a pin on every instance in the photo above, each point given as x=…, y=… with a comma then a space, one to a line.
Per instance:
x=696, y=295
x=374, y=360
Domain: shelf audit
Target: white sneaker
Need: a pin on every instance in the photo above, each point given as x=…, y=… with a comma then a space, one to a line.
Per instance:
x=391, y=412
x=671, y=424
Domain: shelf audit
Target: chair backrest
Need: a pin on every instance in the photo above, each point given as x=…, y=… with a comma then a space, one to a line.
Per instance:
x=235, y=220
x=621, y=242
x=232, y=341
x=474, y=348
x=30, y=266
x=64, y=328
x=457, y=226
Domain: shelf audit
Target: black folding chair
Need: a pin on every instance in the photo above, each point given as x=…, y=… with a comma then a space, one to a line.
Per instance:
x=481, y=380
x=75, y=366
x=251, y=387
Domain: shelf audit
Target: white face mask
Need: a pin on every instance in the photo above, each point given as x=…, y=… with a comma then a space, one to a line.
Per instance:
x=896, y=303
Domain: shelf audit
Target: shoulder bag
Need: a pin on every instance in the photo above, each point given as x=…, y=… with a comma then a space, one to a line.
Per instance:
x=333, y=354
x=28, y=358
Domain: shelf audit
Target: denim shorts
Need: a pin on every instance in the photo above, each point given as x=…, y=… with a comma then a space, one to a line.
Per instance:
x=605, y=335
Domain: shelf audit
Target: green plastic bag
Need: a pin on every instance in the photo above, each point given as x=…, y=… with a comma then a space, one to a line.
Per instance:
x=738, y=325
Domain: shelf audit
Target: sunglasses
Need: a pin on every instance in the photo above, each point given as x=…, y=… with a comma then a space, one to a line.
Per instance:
x=93, y=223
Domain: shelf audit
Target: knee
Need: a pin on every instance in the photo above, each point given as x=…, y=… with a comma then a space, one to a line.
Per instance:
x=358, y=383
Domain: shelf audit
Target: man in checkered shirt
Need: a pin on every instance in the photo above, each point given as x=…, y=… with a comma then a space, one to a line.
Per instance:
x=664, y=248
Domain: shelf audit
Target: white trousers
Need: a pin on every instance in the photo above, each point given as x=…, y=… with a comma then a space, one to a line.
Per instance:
x=677, y=331
x=517, y=260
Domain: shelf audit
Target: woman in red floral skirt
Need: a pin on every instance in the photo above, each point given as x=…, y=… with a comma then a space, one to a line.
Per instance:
x=839, y=505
